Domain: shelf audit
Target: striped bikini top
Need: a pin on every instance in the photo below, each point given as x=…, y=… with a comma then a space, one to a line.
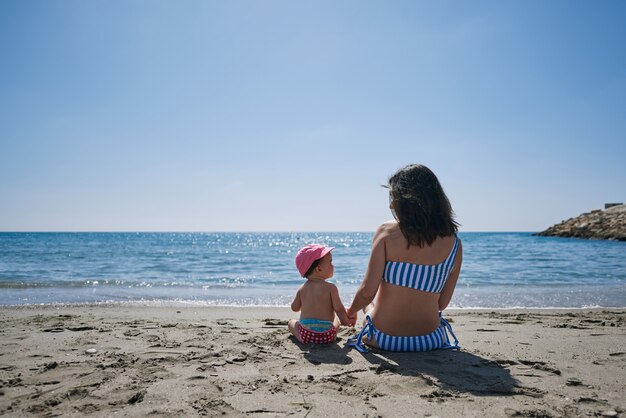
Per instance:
x=425, y=277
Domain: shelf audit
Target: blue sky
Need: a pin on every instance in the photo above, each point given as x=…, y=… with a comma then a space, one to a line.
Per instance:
x=287, y=116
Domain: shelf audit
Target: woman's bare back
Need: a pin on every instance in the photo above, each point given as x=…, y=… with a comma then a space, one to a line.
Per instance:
x=401, y=310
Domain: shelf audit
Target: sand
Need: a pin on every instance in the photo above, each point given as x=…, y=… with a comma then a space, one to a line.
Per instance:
x=190, y=361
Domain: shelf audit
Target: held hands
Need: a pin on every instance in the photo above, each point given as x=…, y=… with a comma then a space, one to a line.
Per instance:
x=352, y=318
x=347, y=320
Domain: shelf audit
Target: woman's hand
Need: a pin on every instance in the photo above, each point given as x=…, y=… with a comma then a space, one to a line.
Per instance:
x=346, y=320
x=352, y=317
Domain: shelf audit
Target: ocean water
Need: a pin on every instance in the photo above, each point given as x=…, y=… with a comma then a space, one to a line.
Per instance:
x=500, y=270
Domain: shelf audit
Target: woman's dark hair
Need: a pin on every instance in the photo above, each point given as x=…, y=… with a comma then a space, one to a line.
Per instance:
x=422, y=209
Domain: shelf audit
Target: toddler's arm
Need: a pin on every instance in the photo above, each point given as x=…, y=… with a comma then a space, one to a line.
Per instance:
x=338, y=307
x=297, y=302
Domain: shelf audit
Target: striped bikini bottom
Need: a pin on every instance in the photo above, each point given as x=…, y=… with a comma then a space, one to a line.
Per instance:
x=437, y=339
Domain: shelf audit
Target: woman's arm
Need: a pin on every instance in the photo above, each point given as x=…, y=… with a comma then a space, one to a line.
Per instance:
x=373, y=276
x=448, y=289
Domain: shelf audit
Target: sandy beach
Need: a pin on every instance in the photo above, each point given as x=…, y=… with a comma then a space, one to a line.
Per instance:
x=190, y=361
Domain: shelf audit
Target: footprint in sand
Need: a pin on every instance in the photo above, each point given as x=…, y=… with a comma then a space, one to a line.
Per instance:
x=540, y=365
x=81, y=328
x=275, y=322
x=55, y=329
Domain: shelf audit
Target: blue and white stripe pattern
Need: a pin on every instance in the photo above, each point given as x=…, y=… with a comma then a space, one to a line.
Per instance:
x=437, y=339
x=425, y=277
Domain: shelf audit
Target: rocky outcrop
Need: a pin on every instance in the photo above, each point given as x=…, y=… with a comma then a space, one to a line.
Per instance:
x=598, y=224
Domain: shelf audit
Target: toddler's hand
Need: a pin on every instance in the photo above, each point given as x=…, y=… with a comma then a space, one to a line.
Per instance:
x=343, y=318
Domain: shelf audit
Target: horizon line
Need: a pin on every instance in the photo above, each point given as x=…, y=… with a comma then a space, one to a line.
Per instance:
x=224, y=232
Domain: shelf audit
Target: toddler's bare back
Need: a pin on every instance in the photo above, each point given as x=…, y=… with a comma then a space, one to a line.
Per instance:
x=317, y=300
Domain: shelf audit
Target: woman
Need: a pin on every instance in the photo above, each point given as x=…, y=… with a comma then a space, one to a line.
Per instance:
x=413, y=269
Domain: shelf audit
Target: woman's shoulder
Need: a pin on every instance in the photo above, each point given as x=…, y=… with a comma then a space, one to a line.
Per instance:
x=389, y=230
x=388, y=227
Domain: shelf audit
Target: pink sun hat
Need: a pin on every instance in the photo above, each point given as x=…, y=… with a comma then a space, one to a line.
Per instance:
x=308, y=254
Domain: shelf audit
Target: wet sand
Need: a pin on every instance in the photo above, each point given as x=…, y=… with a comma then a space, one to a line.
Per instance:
x=188, y=361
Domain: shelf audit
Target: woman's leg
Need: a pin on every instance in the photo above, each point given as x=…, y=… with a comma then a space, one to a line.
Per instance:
x=367, y=341
x=369, y=308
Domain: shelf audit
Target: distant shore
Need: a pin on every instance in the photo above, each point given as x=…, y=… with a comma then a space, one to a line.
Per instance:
x=164, y=361
x=609, y=223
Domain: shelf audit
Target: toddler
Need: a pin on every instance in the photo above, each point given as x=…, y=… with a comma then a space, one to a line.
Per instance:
x=317, y=300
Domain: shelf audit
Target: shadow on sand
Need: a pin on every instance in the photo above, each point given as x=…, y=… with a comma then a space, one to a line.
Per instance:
x=326, y=353
x=452, y=370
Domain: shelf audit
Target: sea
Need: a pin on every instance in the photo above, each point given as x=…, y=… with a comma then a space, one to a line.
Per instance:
x=500, y=270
